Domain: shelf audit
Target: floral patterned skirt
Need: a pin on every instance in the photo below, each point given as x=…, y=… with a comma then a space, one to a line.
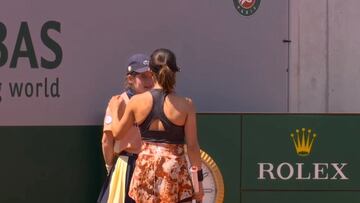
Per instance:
x=161, y=174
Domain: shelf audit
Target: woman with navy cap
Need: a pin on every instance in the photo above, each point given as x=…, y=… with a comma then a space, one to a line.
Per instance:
x=120, y=155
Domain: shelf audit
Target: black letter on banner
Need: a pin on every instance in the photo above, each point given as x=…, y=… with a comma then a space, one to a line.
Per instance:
x=51, y=44
x=29, y=52
x=3, y=49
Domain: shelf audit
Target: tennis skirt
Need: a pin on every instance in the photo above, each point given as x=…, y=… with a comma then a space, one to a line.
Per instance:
x=161, y=175
x=116, y=186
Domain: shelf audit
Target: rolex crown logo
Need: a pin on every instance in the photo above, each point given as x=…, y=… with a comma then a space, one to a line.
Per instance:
x=303, y=141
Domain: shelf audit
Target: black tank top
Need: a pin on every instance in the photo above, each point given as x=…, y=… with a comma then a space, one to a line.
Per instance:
x=172, y=134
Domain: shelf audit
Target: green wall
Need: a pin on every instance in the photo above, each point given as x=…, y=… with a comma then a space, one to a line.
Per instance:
x=219, y=136
x=64, y=163
x=266, y=139
x=50, y=164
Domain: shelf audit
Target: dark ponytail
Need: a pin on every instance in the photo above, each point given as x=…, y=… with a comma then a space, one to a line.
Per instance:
x=166, y=78
x=163, y=64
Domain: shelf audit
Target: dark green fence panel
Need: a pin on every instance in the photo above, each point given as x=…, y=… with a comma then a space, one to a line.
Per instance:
x=219, y=136
x=50, y=164
x=274, y=171
x=64, y=163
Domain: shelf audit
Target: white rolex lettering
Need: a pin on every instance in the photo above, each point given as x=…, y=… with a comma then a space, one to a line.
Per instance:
x=268, y=170
x=291, y=171
x=339, y=171
x=318, y=170
x=286, y=171
x=300, y=172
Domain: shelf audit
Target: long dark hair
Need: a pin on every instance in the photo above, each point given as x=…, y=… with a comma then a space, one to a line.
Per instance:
x=163, y=65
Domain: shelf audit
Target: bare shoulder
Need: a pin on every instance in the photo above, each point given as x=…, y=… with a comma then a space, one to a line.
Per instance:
x=188, y=100
x=139, y=99
x=186, y=103
x=116, y=102
x=190, y=104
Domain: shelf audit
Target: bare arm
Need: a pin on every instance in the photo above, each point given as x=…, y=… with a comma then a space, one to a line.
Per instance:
x=107, y=143
x=121, y=124
x=191, y=138
x=193, y=148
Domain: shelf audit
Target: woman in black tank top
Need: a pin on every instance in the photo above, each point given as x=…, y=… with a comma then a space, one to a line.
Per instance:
x=167, y=122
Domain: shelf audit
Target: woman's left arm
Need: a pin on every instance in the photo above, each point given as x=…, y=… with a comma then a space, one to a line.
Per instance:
x=119, y=126
x=191, y=138
x=193, y=148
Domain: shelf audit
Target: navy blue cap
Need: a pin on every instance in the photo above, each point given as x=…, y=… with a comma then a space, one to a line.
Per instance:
x=138, y=63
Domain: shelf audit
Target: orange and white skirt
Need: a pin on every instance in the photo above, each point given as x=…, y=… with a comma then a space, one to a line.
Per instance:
x=161, y=174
